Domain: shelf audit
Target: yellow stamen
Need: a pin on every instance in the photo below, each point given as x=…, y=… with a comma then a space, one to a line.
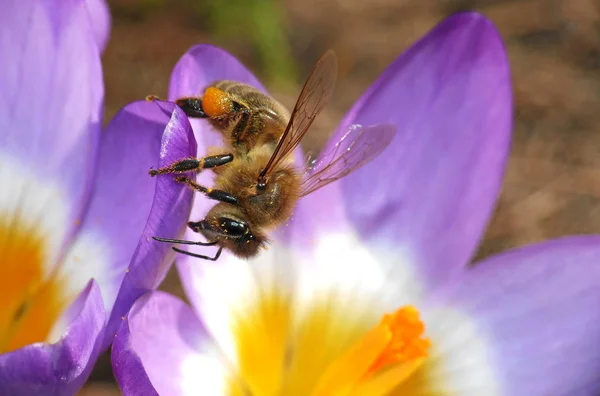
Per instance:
x=262, y=335
x=396, y=343
x=29, y=303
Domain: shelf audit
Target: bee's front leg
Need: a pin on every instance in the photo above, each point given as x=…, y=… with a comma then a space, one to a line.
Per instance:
x=193, y=164
x=217, y=195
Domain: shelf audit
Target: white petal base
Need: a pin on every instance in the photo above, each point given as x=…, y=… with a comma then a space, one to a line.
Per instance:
x=460, y=360
x=40, y=204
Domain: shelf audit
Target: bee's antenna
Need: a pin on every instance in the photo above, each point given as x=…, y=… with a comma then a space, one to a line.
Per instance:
x=184, y=242
x=200, y=255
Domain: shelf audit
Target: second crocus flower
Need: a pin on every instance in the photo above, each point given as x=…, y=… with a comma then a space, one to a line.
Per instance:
x=73, y=201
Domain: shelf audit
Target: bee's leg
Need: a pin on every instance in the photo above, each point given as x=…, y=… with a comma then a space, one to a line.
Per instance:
x=241, y=127
x=200, y=255
x=193, y=164
x=218, y=195
x=192, y=107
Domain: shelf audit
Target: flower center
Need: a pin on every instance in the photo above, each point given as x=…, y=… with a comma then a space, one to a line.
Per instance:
x=396, y=345
x=326, y=351
x=29, y=302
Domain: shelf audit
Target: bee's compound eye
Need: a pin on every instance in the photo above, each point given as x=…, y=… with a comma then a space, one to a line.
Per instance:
x=232, y=227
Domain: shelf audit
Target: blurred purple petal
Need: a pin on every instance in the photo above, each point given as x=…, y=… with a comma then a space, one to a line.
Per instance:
x=61, y=368
x=169, y=212
x=100, y=18
x=538, y=309
x=427, y=199
x=162, y=348
x=51, y=94
x=127, y=203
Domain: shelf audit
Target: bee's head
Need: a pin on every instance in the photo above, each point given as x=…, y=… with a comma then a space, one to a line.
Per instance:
x=229, y=225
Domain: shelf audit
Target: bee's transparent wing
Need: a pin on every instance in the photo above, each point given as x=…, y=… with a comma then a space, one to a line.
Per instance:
x=358, y=146
x=315, y=94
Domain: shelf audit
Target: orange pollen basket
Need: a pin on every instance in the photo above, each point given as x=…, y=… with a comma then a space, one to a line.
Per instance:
x=216, y=102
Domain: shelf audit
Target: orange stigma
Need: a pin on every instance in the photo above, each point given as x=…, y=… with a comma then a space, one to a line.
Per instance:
x=406, y=339
x=384, y=357
x=216, y=102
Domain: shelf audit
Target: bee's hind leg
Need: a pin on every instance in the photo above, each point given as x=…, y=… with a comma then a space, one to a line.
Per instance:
x=192, y=107
x=193, y=164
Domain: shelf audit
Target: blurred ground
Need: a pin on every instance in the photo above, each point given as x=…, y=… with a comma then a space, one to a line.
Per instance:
x=552, y=186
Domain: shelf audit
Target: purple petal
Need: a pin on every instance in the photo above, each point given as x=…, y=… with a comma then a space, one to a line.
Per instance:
x=51, y=94
x=167, y=217
x=100, y=18
x=61, y=368
x=128, y=203
x=161, y=349
x=427, y=198
x=538, y=309
x=127, y=365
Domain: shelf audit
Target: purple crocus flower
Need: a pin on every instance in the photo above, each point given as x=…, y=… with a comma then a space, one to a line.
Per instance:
x=73, y=201
x=394, y=237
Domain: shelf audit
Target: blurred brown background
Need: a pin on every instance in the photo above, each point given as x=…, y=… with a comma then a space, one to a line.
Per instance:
x=552, y=186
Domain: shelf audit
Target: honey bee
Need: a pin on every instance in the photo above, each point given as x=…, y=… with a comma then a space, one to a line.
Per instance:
x=257, y=182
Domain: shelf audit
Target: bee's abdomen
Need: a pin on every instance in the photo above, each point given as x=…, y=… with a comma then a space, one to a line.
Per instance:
x=240, y=91
x=254, y=99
